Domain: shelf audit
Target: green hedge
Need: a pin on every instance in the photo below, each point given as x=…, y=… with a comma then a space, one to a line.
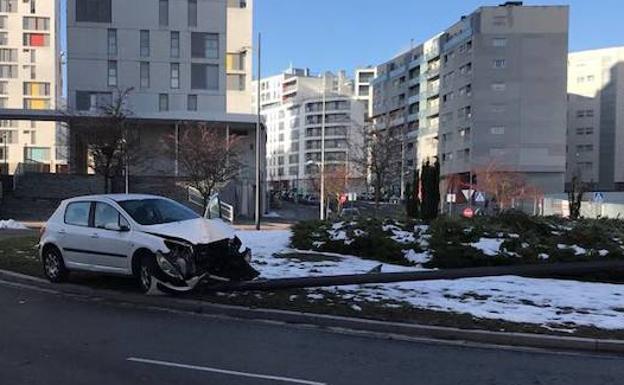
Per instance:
x=525, y=239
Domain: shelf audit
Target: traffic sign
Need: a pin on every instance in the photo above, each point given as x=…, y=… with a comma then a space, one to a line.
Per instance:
x=480, y=197
x=451, y=198
x=343, y=199
x=468, y=212
x=598, y=197
x=468, y=193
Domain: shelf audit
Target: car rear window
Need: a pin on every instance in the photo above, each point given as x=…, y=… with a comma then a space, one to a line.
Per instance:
x=77, y=213
x=157, y=211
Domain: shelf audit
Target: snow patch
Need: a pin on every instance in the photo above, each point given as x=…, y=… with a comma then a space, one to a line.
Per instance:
x=417, y=258
x=11, y=224
x=488, y=246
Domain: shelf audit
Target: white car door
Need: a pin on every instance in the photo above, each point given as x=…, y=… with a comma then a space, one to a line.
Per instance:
x=74, y=235
x=111, y=242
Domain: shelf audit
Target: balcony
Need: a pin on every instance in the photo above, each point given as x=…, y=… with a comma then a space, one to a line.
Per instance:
x=414, y=81
x=413, y=117
x=433, y=72
x=397, y=121
x=433, y=109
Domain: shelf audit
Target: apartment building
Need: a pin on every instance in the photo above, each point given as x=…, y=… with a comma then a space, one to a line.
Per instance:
x=292, y=106
x=596, y=118
x=29, y=79
x=185, y=62
x=488, y=90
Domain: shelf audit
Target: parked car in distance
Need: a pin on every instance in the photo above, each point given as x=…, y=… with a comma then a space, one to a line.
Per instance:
x=154, y=239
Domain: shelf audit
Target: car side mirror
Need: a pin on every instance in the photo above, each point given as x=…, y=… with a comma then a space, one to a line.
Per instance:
x=124, y=228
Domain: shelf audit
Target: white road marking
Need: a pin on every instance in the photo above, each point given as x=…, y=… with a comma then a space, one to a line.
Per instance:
x=223, y=371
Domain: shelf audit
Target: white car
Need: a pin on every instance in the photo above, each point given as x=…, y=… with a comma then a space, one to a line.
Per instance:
x=155, y=239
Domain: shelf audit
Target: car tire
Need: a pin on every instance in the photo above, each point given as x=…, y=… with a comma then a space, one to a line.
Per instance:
x=53, y=265
x=144, y=273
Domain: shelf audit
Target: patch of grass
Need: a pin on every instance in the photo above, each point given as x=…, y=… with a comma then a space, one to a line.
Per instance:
x=20, y=255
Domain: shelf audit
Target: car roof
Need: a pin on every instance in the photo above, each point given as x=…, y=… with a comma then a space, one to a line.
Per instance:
x=115, y=197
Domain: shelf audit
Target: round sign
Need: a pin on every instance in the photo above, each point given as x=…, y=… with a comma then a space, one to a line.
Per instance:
x=343, y=199
x=468, y=212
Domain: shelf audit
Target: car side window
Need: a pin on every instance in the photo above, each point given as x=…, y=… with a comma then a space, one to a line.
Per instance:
x=107, y=215
x=77, y=213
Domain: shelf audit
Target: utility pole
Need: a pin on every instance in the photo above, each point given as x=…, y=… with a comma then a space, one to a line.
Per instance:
x=258, y=124
x=322, y=200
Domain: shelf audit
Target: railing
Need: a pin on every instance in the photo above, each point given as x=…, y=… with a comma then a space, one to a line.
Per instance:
x=226, y=210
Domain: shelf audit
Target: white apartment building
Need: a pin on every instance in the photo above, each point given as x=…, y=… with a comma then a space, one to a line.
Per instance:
x=30, y=78
x=186, y=61
x=292, y=106
x=596, y=118
x=490, y=89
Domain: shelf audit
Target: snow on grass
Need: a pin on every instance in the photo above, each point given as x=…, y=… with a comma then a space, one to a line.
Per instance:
x=11, y=224
x=401, y=236
x=489, y=246
x=553, y=303
x=577, y=249
x=417, y=258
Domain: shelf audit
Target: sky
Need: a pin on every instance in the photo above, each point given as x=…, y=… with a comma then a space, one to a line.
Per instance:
x=345, y=34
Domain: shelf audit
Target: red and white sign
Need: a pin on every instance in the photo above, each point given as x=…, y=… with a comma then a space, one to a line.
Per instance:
x=468, y=212
x=343, y=199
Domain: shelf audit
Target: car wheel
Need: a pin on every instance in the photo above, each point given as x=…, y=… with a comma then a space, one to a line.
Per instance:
x=53, y=266
x=144, y=273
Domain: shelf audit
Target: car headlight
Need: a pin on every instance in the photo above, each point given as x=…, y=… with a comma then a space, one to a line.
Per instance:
x=167, y=267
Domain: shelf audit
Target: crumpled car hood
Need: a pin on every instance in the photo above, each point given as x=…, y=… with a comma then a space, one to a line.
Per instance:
x=196, y=231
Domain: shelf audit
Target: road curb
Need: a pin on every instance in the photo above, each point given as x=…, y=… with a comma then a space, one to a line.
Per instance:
x=330, y=321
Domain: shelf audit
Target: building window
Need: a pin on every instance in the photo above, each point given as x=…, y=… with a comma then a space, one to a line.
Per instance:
x=499, y=42
x=145, y=74
x=33, y=6
x=175, y=75
x=112, y=42
x=36, y=23
x=236, y=61
x=192, y=13
x=36, y=104
x=145, y=43
x=205, y=45
x=112, y=73
x=175, y=44
x=236, y=82
x=163, y=102
x=36, y=89
x=4, y=38
x=86, y=100
x=498, y=130
x=8, y=71
x=94, y=11
x=499, y=63
x=163, y=12
x=204, y=76
x=191, y=103
x=8, y=5
x=8, y=55
x=499, y=87
x=36, y=40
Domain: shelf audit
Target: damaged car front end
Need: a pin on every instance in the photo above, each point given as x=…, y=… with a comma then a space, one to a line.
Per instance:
x=183, y=265
x=183, y=248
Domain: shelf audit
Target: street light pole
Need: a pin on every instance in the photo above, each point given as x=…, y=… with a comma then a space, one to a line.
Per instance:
x=257, y=205
x=322, y=200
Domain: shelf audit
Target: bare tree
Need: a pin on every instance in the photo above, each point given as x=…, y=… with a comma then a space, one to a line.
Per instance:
x=504, y=186
x=575, y=196
x=208, y=157
x=108, y=138
x=376, y=157
x=335, y=184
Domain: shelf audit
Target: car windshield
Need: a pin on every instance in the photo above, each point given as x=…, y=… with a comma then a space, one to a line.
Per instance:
x=157, y=211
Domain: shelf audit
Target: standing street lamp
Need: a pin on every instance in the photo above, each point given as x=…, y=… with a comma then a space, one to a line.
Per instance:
x=322, y=179
x=322, y=166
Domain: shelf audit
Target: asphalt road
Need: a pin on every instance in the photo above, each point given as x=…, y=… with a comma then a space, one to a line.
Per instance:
x=46, y=338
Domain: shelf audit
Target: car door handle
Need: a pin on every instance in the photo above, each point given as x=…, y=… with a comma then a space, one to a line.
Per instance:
x=95, y=235
x=62, y=231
